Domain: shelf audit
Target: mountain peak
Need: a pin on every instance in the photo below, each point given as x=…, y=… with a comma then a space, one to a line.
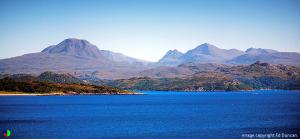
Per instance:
x=206, y=45
x=206, y=48
x=77, y=43
x=75, y=40
x=75, y=47
x=173, y=52
x=171, y=58
x=208, y=53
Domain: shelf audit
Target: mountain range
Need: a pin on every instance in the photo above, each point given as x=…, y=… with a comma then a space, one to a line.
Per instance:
x=207, y=53
x=85, y=60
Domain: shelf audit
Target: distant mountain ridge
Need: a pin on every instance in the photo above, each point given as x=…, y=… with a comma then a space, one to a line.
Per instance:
x=207, y=53
x=267, y=55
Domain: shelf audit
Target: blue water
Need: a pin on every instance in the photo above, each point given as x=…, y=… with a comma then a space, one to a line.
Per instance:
x=153, y=115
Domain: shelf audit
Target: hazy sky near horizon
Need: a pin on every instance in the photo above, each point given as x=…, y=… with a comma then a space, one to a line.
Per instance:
x=147, y=29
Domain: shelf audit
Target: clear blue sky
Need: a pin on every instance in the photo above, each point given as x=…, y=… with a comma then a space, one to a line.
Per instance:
x=147, y=29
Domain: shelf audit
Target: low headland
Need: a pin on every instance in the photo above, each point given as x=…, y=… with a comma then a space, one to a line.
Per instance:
x=53, y=84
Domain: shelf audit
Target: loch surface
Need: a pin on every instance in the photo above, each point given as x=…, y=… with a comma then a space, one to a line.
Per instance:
x=156, y=114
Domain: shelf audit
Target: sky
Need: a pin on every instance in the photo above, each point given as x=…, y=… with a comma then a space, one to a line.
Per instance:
x=147, y=29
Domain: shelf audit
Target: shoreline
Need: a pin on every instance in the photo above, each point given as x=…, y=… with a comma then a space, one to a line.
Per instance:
x=3, y=93
x=21, y=95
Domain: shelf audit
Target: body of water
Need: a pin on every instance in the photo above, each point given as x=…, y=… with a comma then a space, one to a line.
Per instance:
x=156, y=114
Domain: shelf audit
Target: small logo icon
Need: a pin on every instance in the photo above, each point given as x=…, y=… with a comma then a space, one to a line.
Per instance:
x=6, y=133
